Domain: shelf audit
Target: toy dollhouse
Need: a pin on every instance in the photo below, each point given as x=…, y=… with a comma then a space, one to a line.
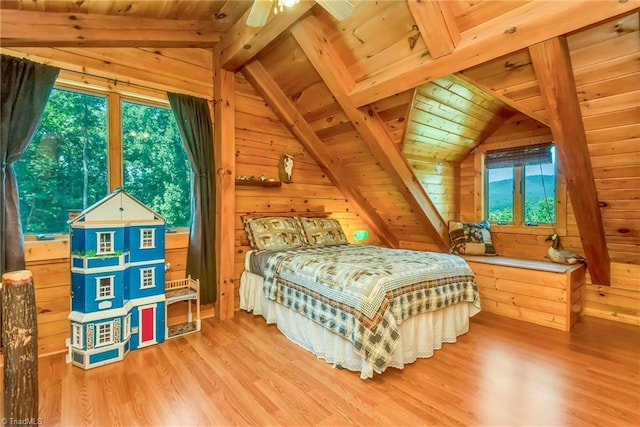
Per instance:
x=118, y=298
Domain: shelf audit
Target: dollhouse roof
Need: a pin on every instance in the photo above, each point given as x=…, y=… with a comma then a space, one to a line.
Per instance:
x=118, y=206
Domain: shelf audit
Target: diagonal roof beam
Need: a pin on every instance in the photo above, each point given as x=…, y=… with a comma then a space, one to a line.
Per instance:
x=552, y=65
x=510, y=32
x=242, y=43
x=264, y=84
x=316, y=45
x=20, y=28
x=508, y=101
x=437, y=26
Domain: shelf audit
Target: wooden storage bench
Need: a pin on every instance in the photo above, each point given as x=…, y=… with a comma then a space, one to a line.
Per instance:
x=535, y=291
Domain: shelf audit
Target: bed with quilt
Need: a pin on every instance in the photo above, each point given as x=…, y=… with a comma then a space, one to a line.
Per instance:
x=360, y=307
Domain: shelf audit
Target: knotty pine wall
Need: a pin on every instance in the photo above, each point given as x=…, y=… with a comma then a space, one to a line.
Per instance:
x=620, y=301
x=260, y=141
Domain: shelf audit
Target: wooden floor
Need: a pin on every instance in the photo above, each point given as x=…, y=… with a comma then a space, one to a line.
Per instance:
x=243, y=372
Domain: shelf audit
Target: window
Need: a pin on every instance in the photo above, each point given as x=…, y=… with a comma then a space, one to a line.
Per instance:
x=77, y=335
x=147, y=278
x=104, y=334
x=521, y=185
x=105, y=243
x=77, y=156
x=147, y=238
x=65, y=165
x=127, y=326
x=105, y=288
x=155, y=164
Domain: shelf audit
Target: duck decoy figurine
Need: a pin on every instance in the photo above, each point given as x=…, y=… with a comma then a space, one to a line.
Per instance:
x=561, y=256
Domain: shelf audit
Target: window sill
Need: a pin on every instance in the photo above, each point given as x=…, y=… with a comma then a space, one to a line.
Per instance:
x=32, y=238
x=537, y=230
x=46, y=250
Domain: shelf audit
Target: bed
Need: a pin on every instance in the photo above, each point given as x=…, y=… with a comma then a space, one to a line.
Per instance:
x=360, y=307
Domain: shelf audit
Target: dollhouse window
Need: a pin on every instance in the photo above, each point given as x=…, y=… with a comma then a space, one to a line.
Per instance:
x=127, y=326
x=147, y=278
x=105, y=288
x=147, y=238
x=105, y=243
x=104, y=334
x=77, y=335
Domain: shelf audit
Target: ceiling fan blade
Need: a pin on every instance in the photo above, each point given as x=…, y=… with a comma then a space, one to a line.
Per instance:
x=259, y=13
x=340, y=9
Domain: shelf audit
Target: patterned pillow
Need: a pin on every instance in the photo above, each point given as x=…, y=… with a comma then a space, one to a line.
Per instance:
x=274, y=232
x=323, y=232
x=471, y=238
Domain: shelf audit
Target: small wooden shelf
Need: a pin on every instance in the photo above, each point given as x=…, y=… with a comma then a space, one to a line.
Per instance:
x=257, y=183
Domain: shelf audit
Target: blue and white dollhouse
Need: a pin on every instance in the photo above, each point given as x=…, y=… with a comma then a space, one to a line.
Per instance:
x=117, y=280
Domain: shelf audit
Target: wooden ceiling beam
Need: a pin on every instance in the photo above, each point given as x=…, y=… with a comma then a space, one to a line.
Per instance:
x=508, y=101
x=242, y=43
x=316, y=45
x=552, y=65
x=517, y=29
x=286, y=111
x=20, y=28
x=437, y=26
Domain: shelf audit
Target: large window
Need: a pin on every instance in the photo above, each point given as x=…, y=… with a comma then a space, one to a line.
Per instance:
x=65, y=165
x=82, y=151
x=156, y=167
x=521, y=185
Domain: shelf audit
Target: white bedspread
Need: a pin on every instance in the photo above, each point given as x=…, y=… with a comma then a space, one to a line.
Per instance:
x=420, y=335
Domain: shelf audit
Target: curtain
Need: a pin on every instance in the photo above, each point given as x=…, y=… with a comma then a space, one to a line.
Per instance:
x=25, y=90
x=194, y=122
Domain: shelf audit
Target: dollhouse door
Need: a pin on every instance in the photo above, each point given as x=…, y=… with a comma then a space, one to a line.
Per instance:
x=147, y=325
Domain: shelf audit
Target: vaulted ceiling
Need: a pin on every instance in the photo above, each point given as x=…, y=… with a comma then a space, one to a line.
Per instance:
x=392, y=98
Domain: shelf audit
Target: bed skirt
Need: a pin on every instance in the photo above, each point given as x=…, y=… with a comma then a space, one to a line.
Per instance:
x=420, y=335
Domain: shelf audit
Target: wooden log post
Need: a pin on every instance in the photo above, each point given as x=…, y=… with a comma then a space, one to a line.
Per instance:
x=20, y=337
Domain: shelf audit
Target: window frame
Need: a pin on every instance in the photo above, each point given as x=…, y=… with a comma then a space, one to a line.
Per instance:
x=151, y=270
x=99, y=284
x=99, y=250
x=77, y=335
x=100, y=334
x=127, y=326
x=91, y=85
x=519, y=199
x=143, y=239
x=480, y=198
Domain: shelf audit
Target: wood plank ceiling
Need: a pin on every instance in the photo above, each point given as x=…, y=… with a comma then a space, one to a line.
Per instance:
x=396, y=89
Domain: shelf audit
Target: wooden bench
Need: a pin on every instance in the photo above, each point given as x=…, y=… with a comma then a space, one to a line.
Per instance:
x=535, y=291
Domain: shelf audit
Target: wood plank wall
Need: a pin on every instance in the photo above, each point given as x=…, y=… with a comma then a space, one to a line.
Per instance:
x=621, y=301
x=261, y=139
x=605, y=65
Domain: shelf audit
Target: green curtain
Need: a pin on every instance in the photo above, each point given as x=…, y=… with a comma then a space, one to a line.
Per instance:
x=26, y=87
x=194, y=122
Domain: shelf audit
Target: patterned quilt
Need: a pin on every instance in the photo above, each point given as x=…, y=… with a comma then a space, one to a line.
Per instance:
x=363, y=293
